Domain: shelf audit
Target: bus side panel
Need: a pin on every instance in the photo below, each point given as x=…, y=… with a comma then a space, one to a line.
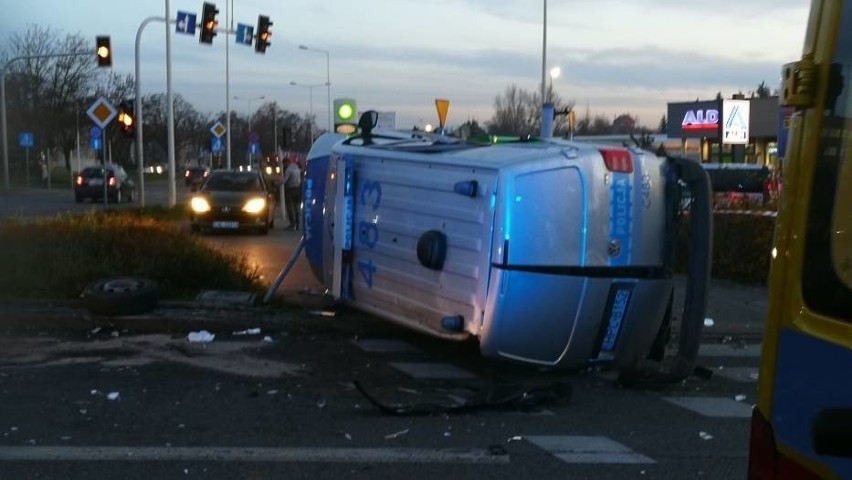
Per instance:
x=811, y=374
x=400, y=203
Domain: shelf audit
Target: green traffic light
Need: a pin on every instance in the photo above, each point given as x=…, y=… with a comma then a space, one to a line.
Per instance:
x=345, y=111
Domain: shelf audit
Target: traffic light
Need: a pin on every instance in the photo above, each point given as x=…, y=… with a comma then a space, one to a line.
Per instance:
x=126, y=119
x=345, y=113
x=103, y=51
x=263, y=34
x=209, y=23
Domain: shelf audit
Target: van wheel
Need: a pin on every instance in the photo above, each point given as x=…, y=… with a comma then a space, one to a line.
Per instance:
x=121, y=296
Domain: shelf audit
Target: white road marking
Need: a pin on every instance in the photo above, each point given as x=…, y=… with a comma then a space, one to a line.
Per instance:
x=442, y=371
x=738, y=374
x=252, y=454
x=716, y=407
x=380, y=345
x=729, y=350
x=587, y=449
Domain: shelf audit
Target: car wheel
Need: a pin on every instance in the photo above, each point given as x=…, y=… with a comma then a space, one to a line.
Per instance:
x=121, y=296
x=78, y=198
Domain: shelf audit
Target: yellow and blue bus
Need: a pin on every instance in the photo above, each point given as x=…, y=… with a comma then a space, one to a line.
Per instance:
x=802, y=423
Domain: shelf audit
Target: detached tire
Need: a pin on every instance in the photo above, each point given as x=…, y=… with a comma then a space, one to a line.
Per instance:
x=121, y=296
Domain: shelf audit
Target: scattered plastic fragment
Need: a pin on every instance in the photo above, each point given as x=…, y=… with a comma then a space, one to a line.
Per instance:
x=114, y=333
x=14, y=429
x=705, y=436
x=408, y=390
x=753, y=376
x=516, y=438
x=348, y=437
x=708, y=322
x=447, y=434
x=200, y=337
x=95, y=392
x=396, y=434
x=321, y=403
x=272, y=392
x=322, y=313
x=267, y=339
x=248, y=331
x=113, y=395
x=65, y=437
x=83, y=411
x=95, y=330
x=739, y=398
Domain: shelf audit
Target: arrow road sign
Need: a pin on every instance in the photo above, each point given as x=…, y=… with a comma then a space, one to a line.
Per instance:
x=185, y=23
x=245, y=34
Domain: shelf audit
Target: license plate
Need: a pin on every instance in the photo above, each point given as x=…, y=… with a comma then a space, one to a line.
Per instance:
x=616, y=316
x=226, y=224
x=95, y=182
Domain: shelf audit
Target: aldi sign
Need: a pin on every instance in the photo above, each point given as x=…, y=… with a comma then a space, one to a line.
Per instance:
x=735, y=118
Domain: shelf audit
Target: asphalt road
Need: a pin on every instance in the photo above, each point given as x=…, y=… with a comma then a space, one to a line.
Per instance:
x=106, y=401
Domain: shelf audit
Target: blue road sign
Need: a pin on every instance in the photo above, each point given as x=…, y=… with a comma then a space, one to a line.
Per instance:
x=185, y=23
x=216, y=144
x=26, y=139
x=255, y=148
x=95, y=143
x=245, y=34
x=95, y=132
x=254, y=137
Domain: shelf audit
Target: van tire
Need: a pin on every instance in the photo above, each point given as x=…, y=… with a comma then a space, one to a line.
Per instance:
x=121, y=296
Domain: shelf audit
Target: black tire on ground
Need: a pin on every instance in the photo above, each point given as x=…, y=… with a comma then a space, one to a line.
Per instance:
x=121, y=296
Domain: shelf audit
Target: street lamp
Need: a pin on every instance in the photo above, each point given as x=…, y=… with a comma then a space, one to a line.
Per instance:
x=250, y=116
x=311, y=105
x=554, y=73
x=327, y=78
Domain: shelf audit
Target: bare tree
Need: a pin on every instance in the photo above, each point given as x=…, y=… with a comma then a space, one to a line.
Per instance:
x=45, y=92
x=518, y=112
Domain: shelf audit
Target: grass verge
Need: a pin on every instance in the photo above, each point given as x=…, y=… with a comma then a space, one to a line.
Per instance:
x=57, y=257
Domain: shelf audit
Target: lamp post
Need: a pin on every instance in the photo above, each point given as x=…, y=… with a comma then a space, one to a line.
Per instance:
x=311, y=104
x=554, y=73
x=327, y=78
x=250, y=116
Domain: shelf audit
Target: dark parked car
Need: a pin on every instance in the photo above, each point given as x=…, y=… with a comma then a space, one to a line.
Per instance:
x=89, y=183
x=233, y=200
x=195, y=176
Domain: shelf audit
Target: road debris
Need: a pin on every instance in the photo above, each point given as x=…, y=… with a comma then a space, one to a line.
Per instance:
x=248, y=331
x=113, y=396
x=705, y=436
x=708, y=322
x=396, y=434
x=740, y=397
x=202, y=336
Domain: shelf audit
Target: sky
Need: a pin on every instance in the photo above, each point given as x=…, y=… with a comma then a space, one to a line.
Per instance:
x=615, y=56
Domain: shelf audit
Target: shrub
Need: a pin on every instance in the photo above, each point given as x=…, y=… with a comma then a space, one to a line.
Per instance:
x=59, y=256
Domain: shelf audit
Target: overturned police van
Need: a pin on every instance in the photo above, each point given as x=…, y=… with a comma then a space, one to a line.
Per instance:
x=548, y=252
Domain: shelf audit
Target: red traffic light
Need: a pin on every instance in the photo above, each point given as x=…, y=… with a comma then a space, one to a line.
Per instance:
x=103, y=51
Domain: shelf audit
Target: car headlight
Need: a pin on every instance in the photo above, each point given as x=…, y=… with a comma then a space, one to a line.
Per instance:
x=199, y=205
x=255, y=205
x=269, y=170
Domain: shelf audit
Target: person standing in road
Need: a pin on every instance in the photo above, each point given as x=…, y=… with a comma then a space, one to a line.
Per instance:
x=292, y=182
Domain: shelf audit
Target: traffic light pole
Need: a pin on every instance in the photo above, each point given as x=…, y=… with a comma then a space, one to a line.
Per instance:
x=6, y=184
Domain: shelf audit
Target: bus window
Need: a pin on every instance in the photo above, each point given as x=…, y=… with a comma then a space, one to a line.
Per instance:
x=841, y=247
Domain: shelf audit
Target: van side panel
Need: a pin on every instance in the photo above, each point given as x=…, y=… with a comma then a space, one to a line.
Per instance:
x=397, y=202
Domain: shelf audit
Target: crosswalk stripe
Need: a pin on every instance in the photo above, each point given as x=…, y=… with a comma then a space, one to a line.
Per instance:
x=436, y=371
x=739, y=374
x=729, y=350
x=252, y=454
x=715, y=407
x=381, y=345
x=587, y=449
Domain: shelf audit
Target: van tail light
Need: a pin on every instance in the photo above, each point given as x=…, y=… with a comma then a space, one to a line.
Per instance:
x=617, y=160
x=764, y=460
x=112, y=181
x=186, y=174
x=79, y=180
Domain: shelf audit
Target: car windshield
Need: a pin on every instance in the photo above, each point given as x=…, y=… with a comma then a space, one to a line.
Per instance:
x=92, y=173
x=233, y=181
